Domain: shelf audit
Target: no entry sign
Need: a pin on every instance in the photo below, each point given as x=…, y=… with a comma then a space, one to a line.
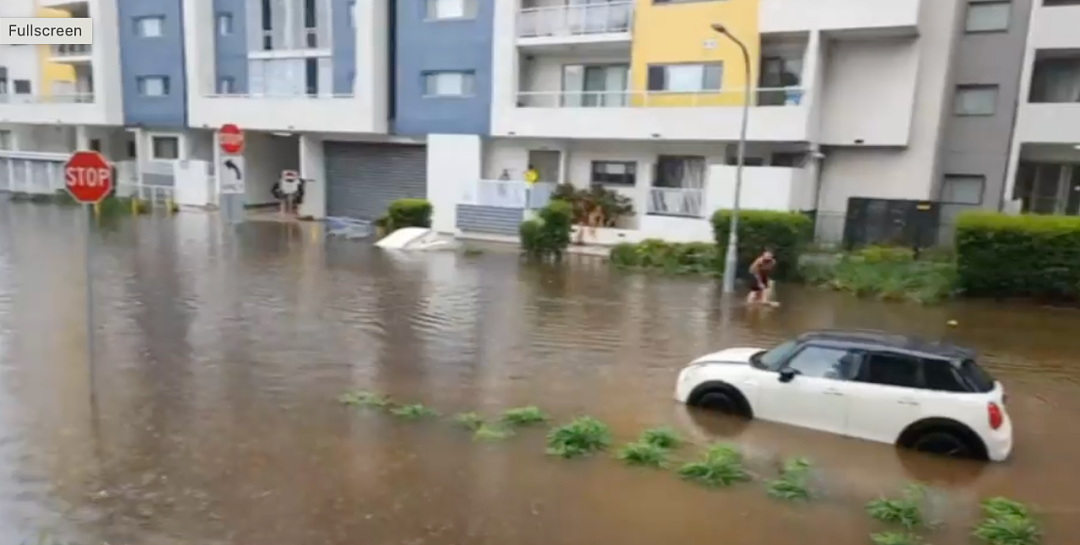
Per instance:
x=89, y=177
x=231, y=138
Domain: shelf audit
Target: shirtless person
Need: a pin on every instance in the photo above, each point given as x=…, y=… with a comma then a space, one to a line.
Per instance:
x=760, y=271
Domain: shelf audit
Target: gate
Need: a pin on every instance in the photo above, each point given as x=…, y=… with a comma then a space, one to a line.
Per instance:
x=891, y=222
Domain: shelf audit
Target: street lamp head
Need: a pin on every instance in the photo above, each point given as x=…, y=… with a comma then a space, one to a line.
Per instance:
x=719, y=28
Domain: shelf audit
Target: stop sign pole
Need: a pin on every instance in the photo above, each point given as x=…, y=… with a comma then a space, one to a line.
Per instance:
x=88, y=178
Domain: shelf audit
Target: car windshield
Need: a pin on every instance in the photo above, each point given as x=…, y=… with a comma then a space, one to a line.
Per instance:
x=774, y=358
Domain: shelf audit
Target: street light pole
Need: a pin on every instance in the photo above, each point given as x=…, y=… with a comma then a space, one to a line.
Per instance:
x=731, y=257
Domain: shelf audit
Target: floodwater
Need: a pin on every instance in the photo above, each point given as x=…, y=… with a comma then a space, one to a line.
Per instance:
x=211, y=414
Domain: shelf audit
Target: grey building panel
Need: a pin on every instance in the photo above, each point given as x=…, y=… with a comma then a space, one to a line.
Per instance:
x=231, y=44
x=363, y=179
x=158, y=56
x=489, y=220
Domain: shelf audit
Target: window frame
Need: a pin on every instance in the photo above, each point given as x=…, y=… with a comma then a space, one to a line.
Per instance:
x=961, y=384
x=141, y=82
x=868, y=360
x=145, y=18
x=469, y=9
x=155, y=137
x=974, y=4
x=975, y=87
x=649, y=71
x=465, y=93
x=223, y=24
x=966, y=177
x=846, y=350
x=15, y=87
x=631, y=173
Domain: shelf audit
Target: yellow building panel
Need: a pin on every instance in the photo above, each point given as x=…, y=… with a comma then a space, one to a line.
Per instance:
x=682, y=33
x=52, y=72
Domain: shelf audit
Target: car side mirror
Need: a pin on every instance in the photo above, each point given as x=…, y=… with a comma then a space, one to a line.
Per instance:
x=787, y=375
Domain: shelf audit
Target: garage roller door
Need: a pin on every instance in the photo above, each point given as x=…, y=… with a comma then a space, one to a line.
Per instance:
x=363, y=179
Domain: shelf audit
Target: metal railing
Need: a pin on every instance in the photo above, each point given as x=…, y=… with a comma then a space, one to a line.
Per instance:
x=71, y=50
x=508, y=194
x=282, y=96
x=677, y=201
x=550, y=21
x=31, y=172
x=786, y=97
x=65, y=98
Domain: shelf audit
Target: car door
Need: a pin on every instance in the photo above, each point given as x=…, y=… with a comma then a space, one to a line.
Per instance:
x=884, y=396
x=814, y=397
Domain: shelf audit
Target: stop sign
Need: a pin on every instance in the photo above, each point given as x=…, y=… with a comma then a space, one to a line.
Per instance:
x=89, y=177
x=231, y=138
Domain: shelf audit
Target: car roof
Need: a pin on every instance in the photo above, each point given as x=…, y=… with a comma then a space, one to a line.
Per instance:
x=868, y=338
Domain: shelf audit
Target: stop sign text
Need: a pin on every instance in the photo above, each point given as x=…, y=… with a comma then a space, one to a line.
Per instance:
x=88, y=176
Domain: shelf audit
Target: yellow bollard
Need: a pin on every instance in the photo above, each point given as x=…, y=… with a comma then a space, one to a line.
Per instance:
x=134, y=206
x=169, y=206
x=314, y=232
x=97, y=210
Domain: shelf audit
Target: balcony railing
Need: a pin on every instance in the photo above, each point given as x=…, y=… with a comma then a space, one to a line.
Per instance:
x=677, y=201
x=790, y=96
x=551, y=21
x=508, y=194
x=72, y=98
x=71, y=50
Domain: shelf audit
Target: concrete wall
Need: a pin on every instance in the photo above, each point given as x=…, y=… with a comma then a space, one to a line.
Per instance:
x=158, y=56
x=425, y=46
x=980, y=145
x=230, y=50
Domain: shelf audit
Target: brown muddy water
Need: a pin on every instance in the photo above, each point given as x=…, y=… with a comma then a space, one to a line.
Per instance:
x=221, y=354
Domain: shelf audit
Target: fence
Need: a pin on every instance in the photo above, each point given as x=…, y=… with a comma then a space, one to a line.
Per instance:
x=42, y=173
x=576, y=20
x=508, y=194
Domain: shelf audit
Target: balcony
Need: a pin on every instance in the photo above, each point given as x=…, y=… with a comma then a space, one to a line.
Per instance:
x=855, y=17
x=66, y=109
x=774, y=115
x=602, y=26
x=71, y=53
x=1054, y=27
x=1052, y=113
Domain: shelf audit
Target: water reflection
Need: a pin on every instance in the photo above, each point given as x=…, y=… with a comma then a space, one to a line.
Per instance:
x=221, y=352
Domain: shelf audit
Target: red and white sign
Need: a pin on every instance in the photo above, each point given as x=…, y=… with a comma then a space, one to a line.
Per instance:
x=89, y=177
x=290, y=175
x=231, y=138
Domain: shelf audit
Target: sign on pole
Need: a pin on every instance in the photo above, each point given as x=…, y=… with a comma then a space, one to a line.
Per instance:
x=89, y=177
x=233, y=175
x=231, y=139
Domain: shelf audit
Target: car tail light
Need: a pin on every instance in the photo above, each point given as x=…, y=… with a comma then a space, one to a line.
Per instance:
x=994, y=414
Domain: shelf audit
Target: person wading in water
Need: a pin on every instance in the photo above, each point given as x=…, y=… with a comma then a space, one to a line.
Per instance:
x=761, y=283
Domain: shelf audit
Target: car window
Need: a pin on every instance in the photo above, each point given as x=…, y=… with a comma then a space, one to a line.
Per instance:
x=940, y=375
x=975, y=375
x=774, y=358
x=825, y=362
x=890, y=370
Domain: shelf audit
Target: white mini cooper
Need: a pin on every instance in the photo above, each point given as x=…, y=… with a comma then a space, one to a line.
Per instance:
x=888, y=388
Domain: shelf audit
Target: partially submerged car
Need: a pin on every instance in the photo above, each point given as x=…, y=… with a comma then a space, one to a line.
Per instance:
x=872, y=385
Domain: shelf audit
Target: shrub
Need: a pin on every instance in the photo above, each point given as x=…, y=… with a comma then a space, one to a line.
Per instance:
x=1007, y=522
x=665, y=438
x=641, y=453
x=669, y=257
x=361, y=398
x=596, y=206
x=1021, y=256
x=548, y=235
x=907, y=510
x=524, y=416
x=895, y=538
x=470, y=420
x=582, y=436
x=492, y=432
x=886, y=273
x=408, y=213
x=722, y=465
x=414, y=411
x=787, y=233
x=793, y=482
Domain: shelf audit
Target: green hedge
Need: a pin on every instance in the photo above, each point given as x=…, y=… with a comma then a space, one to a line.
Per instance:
x=406, y=213
x=888, y=273
x=1019, y=256
x=548, y=235
x=669, y=257
x=787, y=233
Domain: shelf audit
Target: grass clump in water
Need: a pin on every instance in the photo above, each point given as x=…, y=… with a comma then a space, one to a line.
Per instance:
x=643, y=453
x=415, y=411
x=582, y=436
x=471, y=420
x=524, y=416
x=895, y=538
x=722, y=465
x=907, y=510
x=492, y=432
x=793, y=484
x=665, y=438
x=362, y=398
x=1007, y=522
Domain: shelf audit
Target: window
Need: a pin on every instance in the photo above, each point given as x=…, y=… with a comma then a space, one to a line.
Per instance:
x=5, y=139
x=1056, y=80
x=685, y=78
x=226, y=86
x=975, y=100
x=448, y=84
x=598, y=85
x=352, y=13
x=677, y=171
x=976, y=376
x=450, y=9
x=787, y=159
x=22, y=87
x=825, y=362
x=987, y=17
x=774, y=358
x=962, y=189
x=614, y=172
x=224, y=24
x=153, y=86
x=165, y=148
x=149, y=27
x=890, y=370
x=940, y=375
x=95, y=145
x=132, y=150
x=311, y=76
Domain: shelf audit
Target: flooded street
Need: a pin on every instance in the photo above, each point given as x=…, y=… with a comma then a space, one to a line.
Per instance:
x=220, y=355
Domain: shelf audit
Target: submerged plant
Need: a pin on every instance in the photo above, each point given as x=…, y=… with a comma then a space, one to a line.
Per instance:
x=895, y=538
x=414, y=411
x=471, y=420
x=492, y=432
x=584, y=435
x=907, y=510
x=524, y=416
x=793, y=482
x=1007, y=522
x=642, y=453
x=363, y=398
x=665, y=438
x=722, y=465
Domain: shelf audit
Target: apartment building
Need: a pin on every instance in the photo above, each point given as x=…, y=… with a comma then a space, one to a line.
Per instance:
x=453, y=100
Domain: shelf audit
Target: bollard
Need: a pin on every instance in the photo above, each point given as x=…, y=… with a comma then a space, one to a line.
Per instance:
x=97, y=210
x=169, y=206
x=134, y=206
x=314, y=232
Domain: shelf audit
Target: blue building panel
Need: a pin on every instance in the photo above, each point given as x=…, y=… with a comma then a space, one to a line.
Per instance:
x=153, y=57
x=230, y=45
x=343, y=30
x=422, y=47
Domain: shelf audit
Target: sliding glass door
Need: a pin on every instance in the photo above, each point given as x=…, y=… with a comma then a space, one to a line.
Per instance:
x=593, y=86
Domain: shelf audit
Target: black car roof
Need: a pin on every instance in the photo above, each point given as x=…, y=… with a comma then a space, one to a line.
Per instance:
x=866, y=338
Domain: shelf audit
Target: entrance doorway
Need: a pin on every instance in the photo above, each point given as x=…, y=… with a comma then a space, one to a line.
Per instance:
x=546, y=163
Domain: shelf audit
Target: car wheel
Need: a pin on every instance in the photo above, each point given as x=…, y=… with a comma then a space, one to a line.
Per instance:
x=724, y=399
x=944, y=443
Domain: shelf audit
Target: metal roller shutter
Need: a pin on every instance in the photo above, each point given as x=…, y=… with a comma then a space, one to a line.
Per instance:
x=363, y=179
